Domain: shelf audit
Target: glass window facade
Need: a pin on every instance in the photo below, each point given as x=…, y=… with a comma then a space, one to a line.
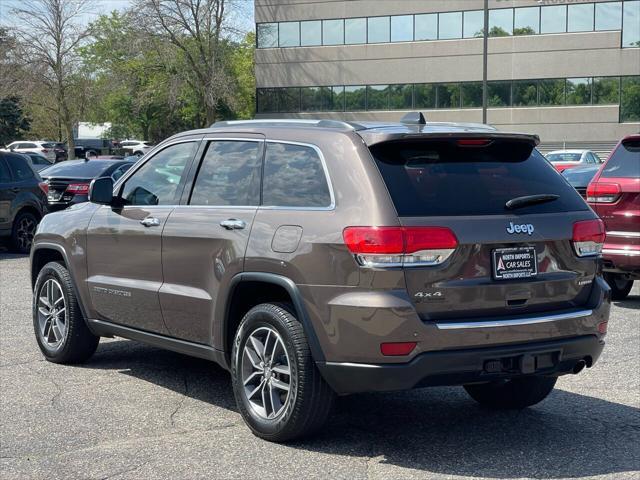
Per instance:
x=624, y=91
x=473, y=24
x=609, y=16
x=449, y=25
x=426, y=27
x=631, y=24
x=526, y=21
x=553, y=19
x=355, y=31
x=289, y=34
x=402, y=28
x=580, y=17
x=311, y=33
x=546, y=19
x=378, y=29
x=332, y=32
x=501, y=22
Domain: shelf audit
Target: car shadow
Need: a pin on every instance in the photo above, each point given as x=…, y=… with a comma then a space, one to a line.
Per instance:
x=632, y=302
x=437, y=430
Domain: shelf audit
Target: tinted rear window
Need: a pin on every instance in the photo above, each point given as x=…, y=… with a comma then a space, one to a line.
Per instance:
x=625, y=162
x=564, y=157
x=441, y=179
x=77, y=169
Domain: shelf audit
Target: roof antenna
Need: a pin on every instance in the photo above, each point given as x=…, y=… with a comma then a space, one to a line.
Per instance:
x=413, y=118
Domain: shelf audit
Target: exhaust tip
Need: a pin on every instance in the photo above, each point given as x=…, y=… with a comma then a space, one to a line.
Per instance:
x=579, y=366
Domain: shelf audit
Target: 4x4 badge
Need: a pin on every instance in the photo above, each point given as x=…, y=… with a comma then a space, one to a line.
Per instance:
x=521, y=228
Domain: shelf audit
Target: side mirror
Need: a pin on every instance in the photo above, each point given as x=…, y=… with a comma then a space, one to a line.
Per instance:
x=101, y=191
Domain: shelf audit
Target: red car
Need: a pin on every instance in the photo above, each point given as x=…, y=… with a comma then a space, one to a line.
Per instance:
x=614, y=194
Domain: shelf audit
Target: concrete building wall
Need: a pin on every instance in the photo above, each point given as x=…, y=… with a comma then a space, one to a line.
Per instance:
x=567, y=55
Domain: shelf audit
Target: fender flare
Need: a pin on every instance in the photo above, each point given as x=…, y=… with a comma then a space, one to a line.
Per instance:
x=60, y=249
x=296, y=297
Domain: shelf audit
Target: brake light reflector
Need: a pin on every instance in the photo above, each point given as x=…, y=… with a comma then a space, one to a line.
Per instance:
x=588, y=237
x=78, y=188
x=473, y=142
x=400, y=246
x=396, y=349
x=603, y=192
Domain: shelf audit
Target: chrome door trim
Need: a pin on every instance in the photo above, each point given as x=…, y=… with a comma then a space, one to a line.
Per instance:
x=513, y=322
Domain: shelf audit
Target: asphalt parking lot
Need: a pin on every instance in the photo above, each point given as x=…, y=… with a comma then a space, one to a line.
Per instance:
x=137, y=412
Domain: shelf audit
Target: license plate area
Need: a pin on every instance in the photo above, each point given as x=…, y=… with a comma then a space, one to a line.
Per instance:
x=514, y=263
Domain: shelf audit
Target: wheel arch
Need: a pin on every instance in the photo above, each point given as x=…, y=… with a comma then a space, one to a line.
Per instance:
x=249, y=289
x=45, y=252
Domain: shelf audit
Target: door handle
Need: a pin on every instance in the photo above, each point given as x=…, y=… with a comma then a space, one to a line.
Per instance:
x=233, y=224
x=150, y=222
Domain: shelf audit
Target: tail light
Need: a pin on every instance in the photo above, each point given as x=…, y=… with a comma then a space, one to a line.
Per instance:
x=603, y=192
x=78, y=188
x=45, y=150
x=395, y=349
x=44, y=186
x=400, y=246
x=473, y=142
x=588, y=237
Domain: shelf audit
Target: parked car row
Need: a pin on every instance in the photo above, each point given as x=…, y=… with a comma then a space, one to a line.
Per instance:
x=32, y=186
x=57, y=151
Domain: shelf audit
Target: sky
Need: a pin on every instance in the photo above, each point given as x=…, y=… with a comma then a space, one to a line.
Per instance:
x=99, y=7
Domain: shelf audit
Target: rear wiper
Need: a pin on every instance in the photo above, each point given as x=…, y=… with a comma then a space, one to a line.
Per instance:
x=530, y=200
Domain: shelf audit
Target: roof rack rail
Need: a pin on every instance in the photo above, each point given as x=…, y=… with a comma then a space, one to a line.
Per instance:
x=287, y=121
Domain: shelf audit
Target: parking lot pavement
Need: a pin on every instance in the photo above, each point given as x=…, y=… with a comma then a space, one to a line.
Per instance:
x=138, y=412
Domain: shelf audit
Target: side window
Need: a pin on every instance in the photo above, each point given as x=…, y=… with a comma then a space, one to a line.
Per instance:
x=5, y=174
x=294, y=177
x=38, y=160
x=28, y=145
x=120, y=171
x=157, y=181
x=229, y=174
x=20, y=168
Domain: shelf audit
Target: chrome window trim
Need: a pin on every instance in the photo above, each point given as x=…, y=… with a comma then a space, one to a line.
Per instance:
x=514, y=322
x=327, y=177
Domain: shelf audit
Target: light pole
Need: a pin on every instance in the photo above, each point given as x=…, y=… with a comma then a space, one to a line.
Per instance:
x=485, y=51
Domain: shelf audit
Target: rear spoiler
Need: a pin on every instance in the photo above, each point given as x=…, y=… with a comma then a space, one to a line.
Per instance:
x=373, y=137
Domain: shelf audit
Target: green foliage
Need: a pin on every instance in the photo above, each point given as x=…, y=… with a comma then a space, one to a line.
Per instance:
x=630, y=99
x=524, y=31
x=13, y=123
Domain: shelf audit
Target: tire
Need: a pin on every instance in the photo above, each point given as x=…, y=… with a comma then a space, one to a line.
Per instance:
x=23, y=231
x=286, y=414
x=516, y=393
x=620, y=286
x=65, y=338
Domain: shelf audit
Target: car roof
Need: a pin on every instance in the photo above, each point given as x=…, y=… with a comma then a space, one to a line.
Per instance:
x=413, y=125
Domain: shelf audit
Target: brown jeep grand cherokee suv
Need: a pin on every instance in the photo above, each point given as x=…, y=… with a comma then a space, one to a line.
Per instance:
x=315, y=258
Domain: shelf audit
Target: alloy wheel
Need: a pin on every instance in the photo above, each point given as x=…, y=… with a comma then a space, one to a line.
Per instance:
x=25, y=231
x=52, y=314
x=266, y=373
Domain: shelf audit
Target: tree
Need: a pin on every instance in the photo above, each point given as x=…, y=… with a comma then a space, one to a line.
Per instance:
x=524, y=31
x=198, y=30
x=13, y=122
x=50, y=35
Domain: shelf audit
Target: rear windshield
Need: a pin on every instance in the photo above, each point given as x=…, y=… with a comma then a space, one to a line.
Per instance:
x=441, y=179
x=77, y=169
x=625, y=162
x=564, y=157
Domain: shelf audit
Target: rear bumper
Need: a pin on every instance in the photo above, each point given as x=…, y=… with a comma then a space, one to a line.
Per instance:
x=621, y=258
x=458, y=367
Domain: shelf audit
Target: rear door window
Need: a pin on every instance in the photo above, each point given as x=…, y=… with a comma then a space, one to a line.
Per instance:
x=294, y=176
x=229, y=174
x=20, y=168
x=625, y=162
x=5, y=174
x=439, y=178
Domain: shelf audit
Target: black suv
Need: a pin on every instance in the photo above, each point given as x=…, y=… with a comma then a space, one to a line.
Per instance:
x=23, y=201
x=315, y=258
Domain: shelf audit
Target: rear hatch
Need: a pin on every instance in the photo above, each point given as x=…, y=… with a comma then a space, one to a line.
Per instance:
x=615, y=196
x=508, y=258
